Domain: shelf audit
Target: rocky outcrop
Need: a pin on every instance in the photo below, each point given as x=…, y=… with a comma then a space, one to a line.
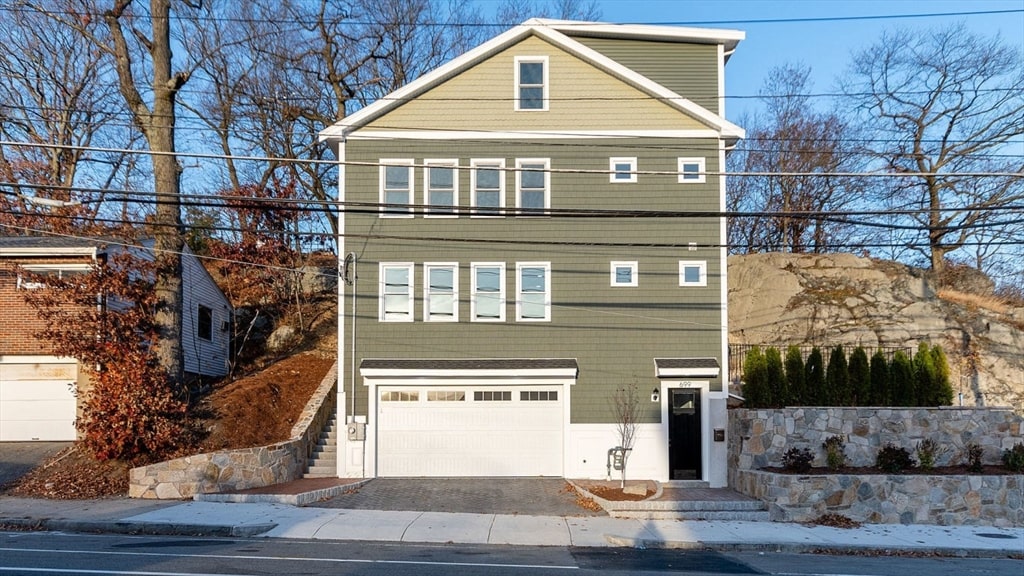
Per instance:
x=829, y=299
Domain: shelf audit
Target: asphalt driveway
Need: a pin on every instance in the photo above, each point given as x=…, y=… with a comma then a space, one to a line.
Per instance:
x=527, y=496
x=17, y=458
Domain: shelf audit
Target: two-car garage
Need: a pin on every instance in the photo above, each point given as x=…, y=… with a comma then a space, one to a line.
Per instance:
x=469, y=417
x=38, y=398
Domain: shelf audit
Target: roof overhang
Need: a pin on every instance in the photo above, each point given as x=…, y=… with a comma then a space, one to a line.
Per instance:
x=687, y=367
x=472, y=368
x=726, y=37
x=16, y=252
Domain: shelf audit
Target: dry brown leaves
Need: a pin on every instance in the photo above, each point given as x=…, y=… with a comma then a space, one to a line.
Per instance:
x=254, y=411
x=835, y=521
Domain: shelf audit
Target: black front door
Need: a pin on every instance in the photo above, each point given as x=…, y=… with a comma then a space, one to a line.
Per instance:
x=684, y=434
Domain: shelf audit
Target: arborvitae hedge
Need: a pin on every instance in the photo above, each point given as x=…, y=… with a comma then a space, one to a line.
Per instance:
x=922, y=381
x=837, y=379
x=901, y=380
x=924, y=375
x=776, y=377
x=932, y=377
x=814, y=378
x=943, y=386
x=795, y=376
x=880, y=395
x=860, y=378
x=755, y=380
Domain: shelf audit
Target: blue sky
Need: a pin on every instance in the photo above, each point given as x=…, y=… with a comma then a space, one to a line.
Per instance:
x=824, y=46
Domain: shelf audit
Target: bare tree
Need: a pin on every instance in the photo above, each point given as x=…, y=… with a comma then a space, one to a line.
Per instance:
x=942, y=107
x=280, y=71
x=626, y=409
x=795, y=153
x=139, y=42
x=52, y=101
x=512, y=12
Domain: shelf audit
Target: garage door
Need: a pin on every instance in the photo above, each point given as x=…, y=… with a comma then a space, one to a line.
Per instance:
x=37, y=401
x=470, y=431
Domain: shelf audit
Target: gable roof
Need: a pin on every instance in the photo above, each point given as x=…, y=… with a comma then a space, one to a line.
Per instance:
x=557, y=32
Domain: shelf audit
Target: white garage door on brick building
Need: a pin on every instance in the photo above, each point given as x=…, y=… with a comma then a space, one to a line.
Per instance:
x=38, y=398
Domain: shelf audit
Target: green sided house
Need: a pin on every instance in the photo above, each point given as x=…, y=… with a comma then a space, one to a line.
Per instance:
x=528, y=229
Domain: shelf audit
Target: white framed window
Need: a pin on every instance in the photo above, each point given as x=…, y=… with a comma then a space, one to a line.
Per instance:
x=487, y=303
x=492, y=395
x=622, y=170
x=624, y=273
x=396, y=188
x=487, y=186
x=533, y=185
x=441, y=185
x=396, y=286
x=693, y=273
x=446, y=396
x=441, y=292
x=533, y=291
x=58, y=271
x=538, y=395
x=400, y=396
x=691, y=170
x=531, y=83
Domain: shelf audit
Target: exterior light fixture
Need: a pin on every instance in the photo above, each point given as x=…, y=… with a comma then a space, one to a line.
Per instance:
x=655, y=395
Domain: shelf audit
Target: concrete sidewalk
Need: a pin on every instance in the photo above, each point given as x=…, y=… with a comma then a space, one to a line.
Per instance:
x=120, y=515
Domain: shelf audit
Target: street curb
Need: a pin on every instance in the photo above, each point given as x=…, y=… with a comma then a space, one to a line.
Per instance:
x=147, y=528
x=808, y=548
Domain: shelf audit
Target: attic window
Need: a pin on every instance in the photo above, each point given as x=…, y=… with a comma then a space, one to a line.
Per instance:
x=531, y=83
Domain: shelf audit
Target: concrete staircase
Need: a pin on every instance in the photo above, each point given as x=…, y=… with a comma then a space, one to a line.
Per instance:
x=323, y=463
x=690, y=500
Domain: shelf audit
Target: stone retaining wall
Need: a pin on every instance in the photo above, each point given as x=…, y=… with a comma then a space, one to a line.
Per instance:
x=889, y=499
x=228, y=470
x=759, y=438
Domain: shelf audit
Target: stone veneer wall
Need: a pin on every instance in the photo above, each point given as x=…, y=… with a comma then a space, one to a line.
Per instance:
x=889, y=499
x=227, y=470
x=759, y=438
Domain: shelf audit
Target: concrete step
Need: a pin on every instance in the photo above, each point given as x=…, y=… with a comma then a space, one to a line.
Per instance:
x=321, y=472
x=323, y=462
x=749, y=516
x=691, y=505
x=686, y=484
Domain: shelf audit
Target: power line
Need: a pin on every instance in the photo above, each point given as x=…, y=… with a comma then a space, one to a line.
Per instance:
x=284, y=160
x=232, y=201
x=446, y=240
x=346, y=19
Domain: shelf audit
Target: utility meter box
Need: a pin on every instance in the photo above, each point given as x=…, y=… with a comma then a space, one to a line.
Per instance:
x=356, y=431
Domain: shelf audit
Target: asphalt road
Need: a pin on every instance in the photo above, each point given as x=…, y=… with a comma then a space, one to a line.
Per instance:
x=17, y=458
x=35, y=553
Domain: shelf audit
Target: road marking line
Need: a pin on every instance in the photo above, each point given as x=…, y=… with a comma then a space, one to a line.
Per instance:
x=123, y=572
x=288, y=559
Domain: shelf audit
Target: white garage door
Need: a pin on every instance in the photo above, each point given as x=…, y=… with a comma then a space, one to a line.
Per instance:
x=37, y=401
x=470, y=431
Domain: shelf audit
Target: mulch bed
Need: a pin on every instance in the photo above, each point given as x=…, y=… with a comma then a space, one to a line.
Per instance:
x=613, y=492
